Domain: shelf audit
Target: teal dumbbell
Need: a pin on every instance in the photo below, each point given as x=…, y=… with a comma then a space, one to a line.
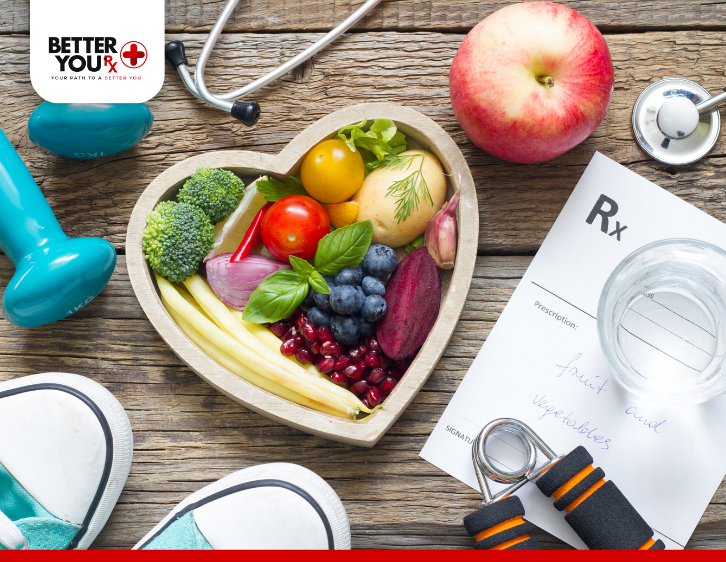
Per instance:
x=89, y=130
x=55, y=275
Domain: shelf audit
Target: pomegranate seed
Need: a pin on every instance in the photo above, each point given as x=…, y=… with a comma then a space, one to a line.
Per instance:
x=340, y=379
x=325, y=364
x=355, y=355
x=373, y=395
x=363, y=349
x=376, y=377
x=373, y=360
x=309, y=332
x=289, y=347
x=331, y=349
x=366, y=403
x=359, y=387
x=315, y=347
x=343, y=362
x=384, y=361
x=278, y=328
x=387, y=385
x=299, y=340
x=296, y=313
x=304, y=355
x=373, y=345
x=325, y=334
x=354, y=372
x=301, y=320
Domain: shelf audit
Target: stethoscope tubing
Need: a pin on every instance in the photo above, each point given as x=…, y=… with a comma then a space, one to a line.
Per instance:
x=197, y=84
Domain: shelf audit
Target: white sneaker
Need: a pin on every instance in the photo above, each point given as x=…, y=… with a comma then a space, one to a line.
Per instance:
x=65, y=453
x=271, y=506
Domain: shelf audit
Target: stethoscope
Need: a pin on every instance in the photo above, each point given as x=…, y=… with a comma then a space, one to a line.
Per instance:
x=247, y=111
x=676, y=121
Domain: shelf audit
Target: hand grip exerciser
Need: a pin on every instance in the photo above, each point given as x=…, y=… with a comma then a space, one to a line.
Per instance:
x=55, y=275
x=595, y=508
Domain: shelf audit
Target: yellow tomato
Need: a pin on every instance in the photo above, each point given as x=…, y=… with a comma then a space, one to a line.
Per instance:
x=332, y=172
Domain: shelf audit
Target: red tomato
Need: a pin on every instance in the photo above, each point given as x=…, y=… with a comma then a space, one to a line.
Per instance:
x=293, y=226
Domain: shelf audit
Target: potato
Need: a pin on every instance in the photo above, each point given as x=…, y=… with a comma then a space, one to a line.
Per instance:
x=380, y=209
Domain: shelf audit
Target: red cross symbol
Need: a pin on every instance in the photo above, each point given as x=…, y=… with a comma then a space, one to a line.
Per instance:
x=136, y=51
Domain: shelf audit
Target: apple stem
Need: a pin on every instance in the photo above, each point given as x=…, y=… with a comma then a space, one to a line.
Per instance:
x=546, y=81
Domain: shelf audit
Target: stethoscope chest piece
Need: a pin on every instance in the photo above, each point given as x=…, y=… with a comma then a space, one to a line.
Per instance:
x=657, y=129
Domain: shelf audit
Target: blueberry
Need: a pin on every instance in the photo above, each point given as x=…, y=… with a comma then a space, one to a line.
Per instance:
x=319, y=317
x=373, y=286
x=367, y=329
x=346, y=329
x=322, y=301
x=361, y=297
x=380, y=260
x=309, y=299
x=348, y=276
x=344, y=299
x=374, y=308
x=330, y=280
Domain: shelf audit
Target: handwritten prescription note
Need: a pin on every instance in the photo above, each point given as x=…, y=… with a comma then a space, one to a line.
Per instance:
x=542, y=364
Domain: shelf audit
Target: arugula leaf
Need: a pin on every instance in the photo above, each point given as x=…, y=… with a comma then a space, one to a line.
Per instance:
x=276, y=297
x=319, y=284
x=345, y=247
x=273, y=189
x=416, y=243
x=381, y=139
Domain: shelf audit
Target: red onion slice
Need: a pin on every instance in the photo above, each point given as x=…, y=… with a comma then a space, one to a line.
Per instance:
x=233, y=283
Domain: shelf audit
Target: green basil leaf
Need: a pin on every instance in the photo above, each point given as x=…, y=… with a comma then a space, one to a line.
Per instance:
x=273, y=189
x=319, y=284
x=276, y=297
x=416, y=243
x=301, y=266
x=345, y=247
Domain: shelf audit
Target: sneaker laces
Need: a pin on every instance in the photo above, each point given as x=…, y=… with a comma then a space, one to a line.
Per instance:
x=10, y=536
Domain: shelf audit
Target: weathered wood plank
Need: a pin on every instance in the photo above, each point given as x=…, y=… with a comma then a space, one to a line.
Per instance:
x=518, y=203
x=187, y=435
x=453, y=15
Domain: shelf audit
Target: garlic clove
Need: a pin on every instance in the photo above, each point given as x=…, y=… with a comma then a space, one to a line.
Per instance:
x=441, y=234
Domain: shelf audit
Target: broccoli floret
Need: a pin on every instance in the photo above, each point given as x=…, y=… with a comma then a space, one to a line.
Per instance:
x=216, y=192
x=176, y=239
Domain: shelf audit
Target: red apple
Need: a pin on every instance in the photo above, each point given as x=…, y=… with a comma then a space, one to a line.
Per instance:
x=531, y=81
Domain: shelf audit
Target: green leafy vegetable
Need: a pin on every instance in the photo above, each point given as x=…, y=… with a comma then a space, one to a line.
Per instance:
x=301, y=266
x=381, y=139
x=345, y=247
x=273, y=189
x=416, y=243
x=314, y=278
x=277, y=297
x=319, y=284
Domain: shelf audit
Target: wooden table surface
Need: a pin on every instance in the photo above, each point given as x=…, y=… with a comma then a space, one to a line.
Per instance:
x=186, y=434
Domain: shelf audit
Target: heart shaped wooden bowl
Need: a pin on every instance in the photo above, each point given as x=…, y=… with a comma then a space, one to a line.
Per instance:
x=422, y=132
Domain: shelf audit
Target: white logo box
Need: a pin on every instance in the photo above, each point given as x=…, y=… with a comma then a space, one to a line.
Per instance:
x=97, y=51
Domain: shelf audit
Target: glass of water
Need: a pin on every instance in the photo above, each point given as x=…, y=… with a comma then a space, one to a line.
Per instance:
x=661, y=321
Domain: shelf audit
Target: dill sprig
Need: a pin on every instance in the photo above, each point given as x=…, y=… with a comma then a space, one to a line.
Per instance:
x=406, y=190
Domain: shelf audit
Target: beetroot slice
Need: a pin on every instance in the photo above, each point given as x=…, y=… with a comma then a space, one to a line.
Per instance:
x=413, y=296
